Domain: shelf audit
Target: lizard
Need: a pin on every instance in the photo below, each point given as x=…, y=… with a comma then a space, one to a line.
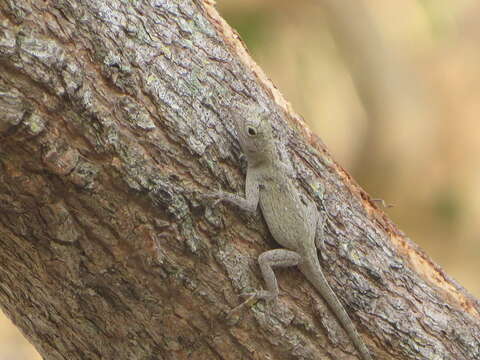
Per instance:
x=292, y=220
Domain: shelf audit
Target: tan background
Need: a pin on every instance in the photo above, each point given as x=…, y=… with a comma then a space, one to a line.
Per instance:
x=430, y=144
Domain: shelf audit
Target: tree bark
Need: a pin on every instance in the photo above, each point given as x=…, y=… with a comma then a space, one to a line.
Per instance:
x=114, y=119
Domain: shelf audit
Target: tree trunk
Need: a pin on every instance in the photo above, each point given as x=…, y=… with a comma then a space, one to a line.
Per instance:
x=114, y=119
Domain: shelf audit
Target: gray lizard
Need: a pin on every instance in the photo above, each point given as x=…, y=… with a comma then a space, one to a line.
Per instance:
x=292, y=221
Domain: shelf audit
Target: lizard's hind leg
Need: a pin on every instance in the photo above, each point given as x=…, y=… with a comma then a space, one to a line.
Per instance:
x=268, y=260
x=316, y=222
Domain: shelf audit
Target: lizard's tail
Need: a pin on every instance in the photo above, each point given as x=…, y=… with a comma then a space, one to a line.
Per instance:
x=314, y=274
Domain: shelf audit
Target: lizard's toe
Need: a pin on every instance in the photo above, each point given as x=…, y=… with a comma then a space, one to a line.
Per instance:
x=261, y=294
x=216, y=197
x=267, y=295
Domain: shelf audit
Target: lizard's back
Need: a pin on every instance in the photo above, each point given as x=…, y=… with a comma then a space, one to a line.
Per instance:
x=283, y=210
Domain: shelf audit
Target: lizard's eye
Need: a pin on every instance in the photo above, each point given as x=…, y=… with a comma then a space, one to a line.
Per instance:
x=251, y=131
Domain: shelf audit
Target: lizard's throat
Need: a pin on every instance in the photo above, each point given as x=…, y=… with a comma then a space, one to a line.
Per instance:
x=266, y=156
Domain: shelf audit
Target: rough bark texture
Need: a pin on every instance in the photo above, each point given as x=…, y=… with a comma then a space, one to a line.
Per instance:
x=114, y=118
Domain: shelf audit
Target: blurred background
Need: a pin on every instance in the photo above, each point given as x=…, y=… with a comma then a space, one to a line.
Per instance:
x=393, y=89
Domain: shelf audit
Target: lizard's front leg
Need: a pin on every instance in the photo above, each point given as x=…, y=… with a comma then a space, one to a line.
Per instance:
x=243, y=203
x=252, y=194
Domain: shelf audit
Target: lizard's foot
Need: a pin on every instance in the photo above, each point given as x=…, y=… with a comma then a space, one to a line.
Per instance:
x=216, y=196
x=264, y=295
x=254, y=296
x=320, y=245
x=237, y=308
x=268, y=296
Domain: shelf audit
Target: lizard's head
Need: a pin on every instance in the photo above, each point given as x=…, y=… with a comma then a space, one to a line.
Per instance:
x=255, y=135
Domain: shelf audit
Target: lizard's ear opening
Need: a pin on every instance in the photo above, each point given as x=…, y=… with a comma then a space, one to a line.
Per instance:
x=251, y=131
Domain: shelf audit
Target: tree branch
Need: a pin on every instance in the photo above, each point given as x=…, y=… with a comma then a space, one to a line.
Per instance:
x=114, y=120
